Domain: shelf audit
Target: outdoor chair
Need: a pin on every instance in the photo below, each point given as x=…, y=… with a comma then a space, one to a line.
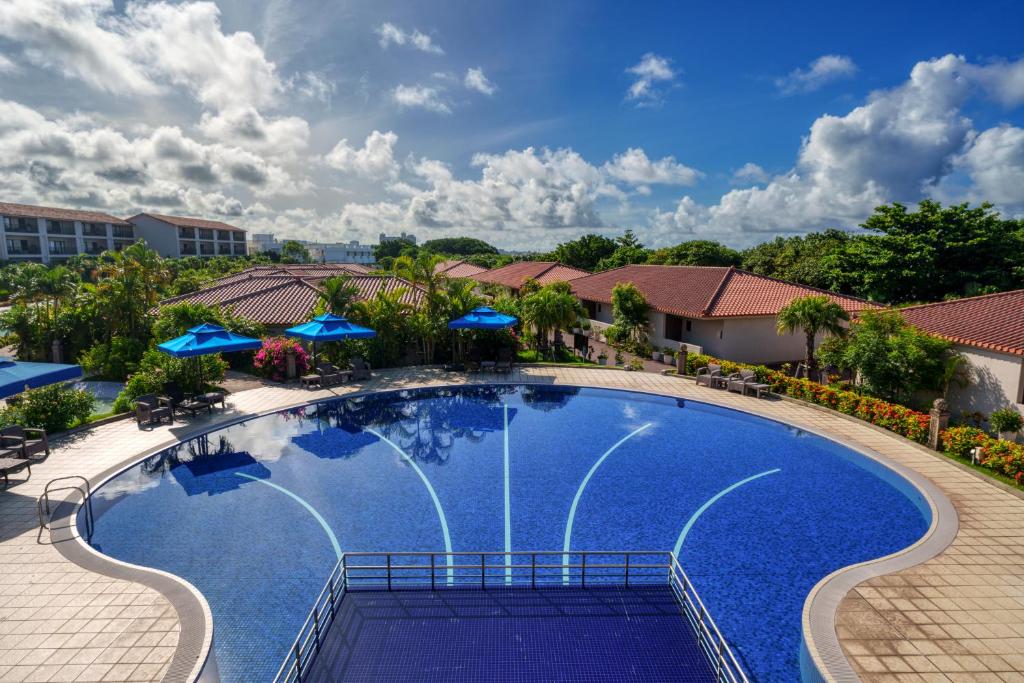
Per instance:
x=473, y=361
x=710, y=376
x=360, y=369
x=29, y=441
x=504, y=362
x=11, y=463
x=738, y=381
x=329, y=375
x=150, y=409
x=175, y=393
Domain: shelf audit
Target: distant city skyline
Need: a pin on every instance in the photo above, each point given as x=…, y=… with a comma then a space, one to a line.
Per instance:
x=523, y=124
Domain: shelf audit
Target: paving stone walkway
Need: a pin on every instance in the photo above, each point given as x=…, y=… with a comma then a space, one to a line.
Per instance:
x=957, y=617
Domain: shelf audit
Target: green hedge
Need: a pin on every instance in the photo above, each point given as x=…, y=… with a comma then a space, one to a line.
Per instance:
x=54, y=408
x=894, y=417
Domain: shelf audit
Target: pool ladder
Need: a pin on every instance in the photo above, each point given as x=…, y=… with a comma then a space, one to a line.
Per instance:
x=43, y=502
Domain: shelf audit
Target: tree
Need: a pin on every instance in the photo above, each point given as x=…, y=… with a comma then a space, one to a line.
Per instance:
x=458, y=246
x=628, y=251
x=294, y=252
x=389, y=316
x=394, y=249
x=890, y=358
x=813, y=315
x=696, y=253
x=629, y=316
x=421, y=270
x=585, y=252
x=550, y=309
x=337, y=294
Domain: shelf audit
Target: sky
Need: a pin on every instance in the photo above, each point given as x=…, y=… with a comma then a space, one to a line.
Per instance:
x=521, y=123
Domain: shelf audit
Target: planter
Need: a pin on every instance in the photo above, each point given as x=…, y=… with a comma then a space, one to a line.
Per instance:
x=656, y=356
x=602, y=360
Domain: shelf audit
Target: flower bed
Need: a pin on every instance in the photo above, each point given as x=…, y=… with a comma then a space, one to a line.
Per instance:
x=998, y=455
x=894, y=417
x=272, y=359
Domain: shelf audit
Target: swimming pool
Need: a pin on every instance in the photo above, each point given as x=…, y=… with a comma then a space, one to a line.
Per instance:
x=255, y=515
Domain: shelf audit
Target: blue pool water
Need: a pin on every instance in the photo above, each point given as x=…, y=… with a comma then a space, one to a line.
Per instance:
x=254, y=515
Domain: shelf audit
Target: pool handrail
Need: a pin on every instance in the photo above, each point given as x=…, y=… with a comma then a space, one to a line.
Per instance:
x=636, y=567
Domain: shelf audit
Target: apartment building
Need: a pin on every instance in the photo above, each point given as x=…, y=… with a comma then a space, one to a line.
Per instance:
x=179, y=236
x=49, y=235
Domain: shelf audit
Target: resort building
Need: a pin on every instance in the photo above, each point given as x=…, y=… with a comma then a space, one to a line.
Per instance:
x=456, y=268
x=49, y=235
x=394, y=238
x=178, y=236
x=989, y=332
x=725, y=312
x=261, y=242
x=514, y=275
x=340, y=252
x=283, y=296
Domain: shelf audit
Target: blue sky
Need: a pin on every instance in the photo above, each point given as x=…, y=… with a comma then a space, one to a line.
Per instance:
x=523, y=123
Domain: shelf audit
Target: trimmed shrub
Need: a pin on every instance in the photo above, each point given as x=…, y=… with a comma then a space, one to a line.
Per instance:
x=1005, y=457
x=54, y=408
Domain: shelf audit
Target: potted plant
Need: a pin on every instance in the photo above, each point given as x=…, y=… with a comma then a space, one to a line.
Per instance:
x=602, y=358
x=668, y=355
x=618, y=358
x=1006, y=422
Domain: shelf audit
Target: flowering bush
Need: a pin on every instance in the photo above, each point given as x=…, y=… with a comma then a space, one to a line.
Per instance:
x=896, y=418
x=1005, y=457
x=272, y=358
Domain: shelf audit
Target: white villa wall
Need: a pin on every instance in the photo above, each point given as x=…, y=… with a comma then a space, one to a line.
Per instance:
x=159, y=236
x=995, y=382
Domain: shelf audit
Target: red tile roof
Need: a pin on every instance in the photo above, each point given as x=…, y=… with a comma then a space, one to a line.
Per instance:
x=706, y=291
x=283, y=298
x=29, y=211
x=991, y=321
x=185, y=222
x=456, y=269
x=544, y=272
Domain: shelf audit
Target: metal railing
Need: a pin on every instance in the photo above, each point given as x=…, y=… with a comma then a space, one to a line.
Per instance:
x=495, y=570
x=43, y=502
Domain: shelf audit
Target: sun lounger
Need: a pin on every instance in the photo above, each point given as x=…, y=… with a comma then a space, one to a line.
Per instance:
x=30, y=441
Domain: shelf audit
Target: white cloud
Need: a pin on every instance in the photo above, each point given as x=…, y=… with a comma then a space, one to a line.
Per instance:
x=650, y=72
x=375, y=160
x=313, y=86
x=390, y=34
x=476, y=80
x=903, y=144
x=420, y=96
x=144, y=50
x=750, y=173
x=7, y=66
x=246, y=127
x=822, y=71
x=635, y=168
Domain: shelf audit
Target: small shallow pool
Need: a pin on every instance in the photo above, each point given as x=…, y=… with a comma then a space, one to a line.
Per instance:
x=254, y=515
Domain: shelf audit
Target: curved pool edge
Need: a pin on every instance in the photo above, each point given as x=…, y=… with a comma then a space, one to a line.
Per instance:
x=820, y=646
x=821, y=651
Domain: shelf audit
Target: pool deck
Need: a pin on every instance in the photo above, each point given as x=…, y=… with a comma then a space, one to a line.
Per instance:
x=958, y=616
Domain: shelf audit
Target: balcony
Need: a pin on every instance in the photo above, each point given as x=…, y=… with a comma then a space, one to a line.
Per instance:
x=224, y=235
x=205, y=234
x=239, y=249
x=95, y=248
x=187, y=233
x=124, y=231
x=23, y=225
x=94, y=229
x=206, y=249
x=23, y=248
x=187, y=248
x=60, y=227
x=62, y=247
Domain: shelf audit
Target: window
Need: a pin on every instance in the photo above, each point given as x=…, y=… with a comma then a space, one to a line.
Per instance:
x=224, y=235
x=18, y=247
x=206, y=248
x=124, y=231
x=599, y=308
x=94, y=229
x=188, y=248
x=20, y=224
x=60, y=227
x=187, y=233
x=61, y=247
x=720, y=333
x=205, y=234
x=591, y=308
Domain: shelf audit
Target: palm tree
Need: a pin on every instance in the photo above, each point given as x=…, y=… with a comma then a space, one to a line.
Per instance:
x=459, y=298
x=812, y=314
x=550, y=309
x=390, y=317
x=421, y=270
x=337, y=294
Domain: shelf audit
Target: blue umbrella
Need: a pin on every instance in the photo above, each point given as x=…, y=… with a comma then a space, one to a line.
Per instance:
x=16, y=376
x=483, y=318
x=206, y=339
x=329, y=327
